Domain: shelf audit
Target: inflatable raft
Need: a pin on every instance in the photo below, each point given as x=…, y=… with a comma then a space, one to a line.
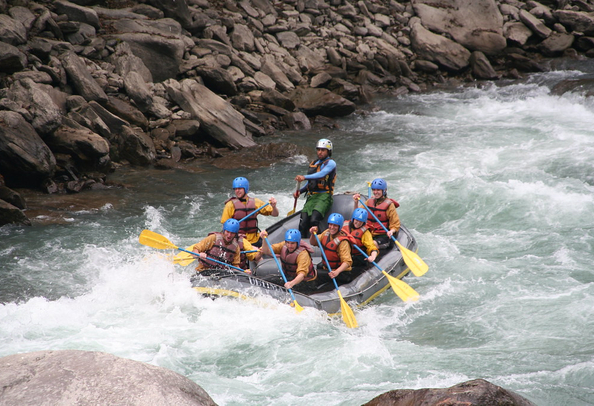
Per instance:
x=368, y=283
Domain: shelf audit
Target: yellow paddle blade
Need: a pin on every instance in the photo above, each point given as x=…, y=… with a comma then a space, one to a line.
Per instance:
x=291, y=213
x=402, y=289
x=347, y=313
x=297, y=306
x=184, y=258
x=414, y=262
x=152, y=239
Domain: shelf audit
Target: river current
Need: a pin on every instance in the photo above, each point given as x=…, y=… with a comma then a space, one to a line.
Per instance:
x=496, y=183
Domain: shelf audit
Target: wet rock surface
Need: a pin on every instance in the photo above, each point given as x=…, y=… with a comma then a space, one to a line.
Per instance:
x=477, y=392
x=87, y=86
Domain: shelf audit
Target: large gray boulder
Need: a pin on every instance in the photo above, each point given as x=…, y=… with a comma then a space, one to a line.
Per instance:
x=475, y=24
x=12, y=32
x=78, y=13
x=321, y=102
x=88, y=149
x=81, y=78
x=31, y=100
x=217, y=117
x=25, y=160
x=439, y=49
x=576, y=21
x=159, y=43
x=70, y=377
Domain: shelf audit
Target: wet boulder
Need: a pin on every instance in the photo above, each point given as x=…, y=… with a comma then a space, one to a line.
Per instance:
x=478, y=392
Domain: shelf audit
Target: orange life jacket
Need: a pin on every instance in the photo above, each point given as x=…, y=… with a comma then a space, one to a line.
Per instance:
x=380, y=212
x=330, y=247
x=356, y=234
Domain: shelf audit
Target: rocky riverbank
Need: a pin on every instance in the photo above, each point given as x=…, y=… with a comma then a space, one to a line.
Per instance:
x=87, y=86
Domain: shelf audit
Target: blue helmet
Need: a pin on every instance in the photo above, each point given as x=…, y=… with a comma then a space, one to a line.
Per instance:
x=241, y=182
x=336, y=218
x=380, y=184
x=293, y=235
x=360, y=214
x=231, y=225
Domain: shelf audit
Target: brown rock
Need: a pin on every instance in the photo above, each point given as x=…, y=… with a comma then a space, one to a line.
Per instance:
x=477, y=392
x=315, y=102
x=10, y=214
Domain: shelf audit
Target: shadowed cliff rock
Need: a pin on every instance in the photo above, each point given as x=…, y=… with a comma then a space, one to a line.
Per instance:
x=99, y=83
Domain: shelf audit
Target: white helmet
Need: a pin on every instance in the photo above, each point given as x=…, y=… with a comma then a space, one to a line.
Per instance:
x=325, y=143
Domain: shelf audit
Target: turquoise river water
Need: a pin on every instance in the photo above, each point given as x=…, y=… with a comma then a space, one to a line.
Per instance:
x=497, y=185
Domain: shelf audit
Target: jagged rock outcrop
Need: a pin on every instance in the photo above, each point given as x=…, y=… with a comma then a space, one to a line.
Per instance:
x=117, y=69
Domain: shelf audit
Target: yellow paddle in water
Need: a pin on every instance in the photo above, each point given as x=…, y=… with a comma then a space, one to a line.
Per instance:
x=295, y=204
x=414, y=262
x=401, y=288
x=152, y=239
x=280, y=269
x=347, y=313
x=184, y=258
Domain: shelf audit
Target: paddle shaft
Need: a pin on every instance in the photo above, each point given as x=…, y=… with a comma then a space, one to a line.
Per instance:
x=367, y=256
x=414, y=262
x=254, y=212
x=158, y=241
x=325, y=259
x=280, y=269
x=401, y=288
x=376, y=219
x=296, y=197
x=211, y=259
x=347, y=313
